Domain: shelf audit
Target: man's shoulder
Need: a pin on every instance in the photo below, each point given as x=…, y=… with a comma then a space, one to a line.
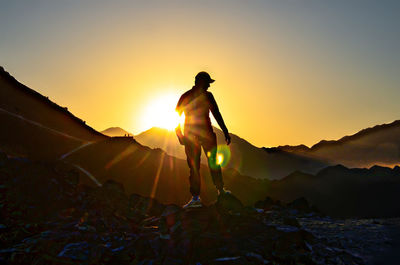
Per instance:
x=187, y=94
x=185, y=98
x=209, y=95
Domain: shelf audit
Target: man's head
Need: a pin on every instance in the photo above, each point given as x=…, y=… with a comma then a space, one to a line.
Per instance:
x=203, y=80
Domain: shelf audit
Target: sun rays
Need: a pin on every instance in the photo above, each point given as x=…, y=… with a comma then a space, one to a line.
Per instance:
x=125, y=153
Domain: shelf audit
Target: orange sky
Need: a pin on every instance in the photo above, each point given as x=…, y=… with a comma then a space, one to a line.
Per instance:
x=286, y=72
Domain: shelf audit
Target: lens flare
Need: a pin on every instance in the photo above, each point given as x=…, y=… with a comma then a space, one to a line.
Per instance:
x=219, y=156
x=225, y=153
x=220, y=159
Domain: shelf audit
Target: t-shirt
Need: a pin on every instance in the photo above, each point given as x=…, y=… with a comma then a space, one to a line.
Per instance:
x=196, y=104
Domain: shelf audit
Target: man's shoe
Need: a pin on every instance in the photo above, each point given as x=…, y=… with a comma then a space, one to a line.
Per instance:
x=223, y=192
x=193, y=203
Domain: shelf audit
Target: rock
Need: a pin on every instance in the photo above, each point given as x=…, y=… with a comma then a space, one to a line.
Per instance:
x=267, y=204
x=73, y=177
x=292, y=221
x=170, y=210
x=256, y=257
x=230, y=260
x=3, y=159
x=258, y=210
x=114, y=187
x=229, y=203
x=75, y=251
x=301, y=205
x=145, y=206
x=292, y=245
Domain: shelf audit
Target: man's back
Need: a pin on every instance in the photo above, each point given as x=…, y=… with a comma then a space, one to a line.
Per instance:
x=196, y=105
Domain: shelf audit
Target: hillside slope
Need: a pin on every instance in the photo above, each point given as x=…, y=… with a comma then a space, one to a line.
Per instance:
x=34, y=126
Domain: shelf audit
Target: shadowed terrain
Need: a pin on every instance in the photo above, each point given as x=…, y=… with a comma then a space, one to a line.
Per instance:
x=151, y=172
x=342, y=192
x=108, y=225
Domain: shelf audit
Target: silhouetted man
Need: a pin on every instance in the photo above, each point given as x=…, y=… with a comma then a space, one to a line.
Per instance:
x=196, y=104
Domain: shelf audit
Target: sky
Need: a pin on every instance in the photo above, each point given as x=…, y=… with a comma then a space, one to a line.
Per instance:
x=287, y=71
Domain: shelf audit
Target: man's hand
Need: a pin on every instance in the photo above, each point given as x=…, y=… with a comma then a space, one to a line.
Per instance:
x=178, y=132
x=227, y=138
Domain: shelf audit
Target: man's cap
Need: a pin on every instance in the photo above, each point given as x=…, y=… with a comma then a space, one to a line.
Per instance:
x=205, y=76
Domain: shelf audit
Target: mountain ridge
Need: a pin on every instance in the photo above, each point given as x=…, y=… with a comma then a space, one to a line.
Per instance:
x=342, y=140
x=115, y=131
x=9, y=78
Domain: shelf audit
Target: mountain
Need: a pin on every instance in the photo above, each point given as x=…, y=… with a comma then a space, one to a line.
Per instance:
x=33, y=125
x=115, y=131
x=246, y=158
x=166, y=140
x=379, y=145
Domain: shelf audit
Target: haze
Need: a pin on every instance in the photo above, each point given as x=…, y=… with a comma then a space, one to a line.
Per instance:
x=287, y=72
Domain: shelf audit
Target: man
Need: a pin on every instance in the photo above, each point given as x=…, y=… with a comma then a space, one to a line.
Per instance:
x=196, y=104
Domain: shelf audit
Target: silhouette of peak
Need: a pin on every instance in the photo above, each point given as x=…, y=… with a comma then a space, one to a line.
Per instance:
x=115, y=131
x=156, y=131
x=341, y=141
x=294, y=148
x=332, y=169
x=362, y=133
x=14, y=91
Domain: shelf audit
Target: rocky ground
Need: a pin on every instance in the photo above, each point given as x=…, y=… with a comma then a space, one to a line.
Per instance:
x=49, y=217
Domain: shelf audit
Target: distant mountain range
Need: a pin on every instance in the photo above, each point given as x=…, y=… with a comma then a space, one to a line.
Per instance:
x=343, y=192
x=35, y=128
x=379, y=145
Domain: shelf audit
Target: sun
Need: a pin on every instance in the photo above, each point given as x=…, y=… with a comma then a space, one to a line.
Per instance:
x=161, y=113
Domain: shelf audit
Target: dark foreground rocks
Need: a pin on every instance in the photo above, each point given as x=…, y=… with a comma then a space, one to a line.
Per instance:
x=47, y=217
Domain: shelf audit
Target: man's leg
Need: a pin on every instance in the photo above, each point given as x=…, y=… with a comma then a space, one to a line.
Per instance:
x=210, y=148
x=193, y=152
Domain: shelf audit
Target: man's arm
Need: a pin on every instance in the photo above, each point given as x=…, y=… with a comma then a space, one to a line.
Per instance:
x=178, y=130
x=218, y=117
x=179, y=107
